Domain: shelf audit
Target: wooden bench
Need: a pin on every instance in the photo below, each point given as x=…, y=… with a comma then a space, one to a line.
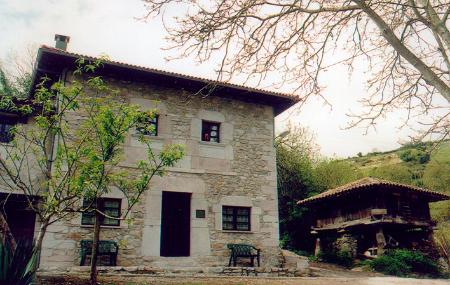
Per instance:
x=105, y=247
x=243, y=250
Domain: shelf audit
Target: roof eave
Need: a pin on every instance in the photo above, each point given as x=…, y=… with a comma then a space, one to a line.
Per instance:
x=279, y=101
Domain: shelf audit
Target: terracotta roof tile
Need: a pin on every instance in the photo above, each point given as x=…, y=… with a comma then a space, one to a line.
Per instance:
x=364, y=185
x=291, y=97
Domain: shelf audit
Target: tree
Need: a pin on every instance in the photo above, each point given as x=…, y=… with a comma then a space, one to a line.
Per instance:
x=393, y=172
x=61, y=160
x=405, y=44
x=436, y=177
x=302, y=173
x=330, y=173
x=16, y=74
x=295, y=181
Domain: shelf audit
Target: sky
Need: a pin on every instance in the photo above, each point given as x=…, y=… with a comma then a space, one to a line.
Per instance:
x=113, y=27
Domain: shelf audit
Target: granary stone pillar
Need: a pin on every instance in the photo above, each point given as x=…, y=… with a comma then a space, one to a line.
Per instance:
x=318, y=248
x=381, y=241
x=347, y=243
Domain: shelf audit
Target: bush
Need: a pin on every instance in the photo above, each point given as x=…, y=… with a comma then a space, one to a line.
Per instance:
x=414, y=155
x=343, y=258
x=406, y=155
x=402, y=262
x=17, y=267
x=423, y=157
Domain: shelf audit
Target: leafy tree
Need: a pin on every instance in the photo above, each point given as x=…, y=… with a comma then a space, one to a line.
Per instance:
x=16, y=75
x=330, y=174
x=436, y=177
x=404, y=43
x=63, y=159
x=295, y=182
x=394, y=172
x=302, y=173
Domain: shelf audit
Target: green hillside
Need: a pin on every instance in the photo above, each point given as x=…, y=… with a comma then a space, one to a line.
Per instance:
x=424, y=165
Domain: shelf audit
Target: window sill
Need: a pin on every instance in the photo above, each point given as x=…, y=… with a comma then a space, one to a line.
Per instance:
x=236, y=232
x=102, y=227
x=156, y=138
x=218, y=144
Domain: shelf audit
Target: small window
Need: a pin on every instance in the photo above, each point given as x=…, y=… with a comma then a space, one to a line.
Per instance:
x=109, y=206
x=236, y=218
x=6, y=126
x=153, y=123
x=210, y=131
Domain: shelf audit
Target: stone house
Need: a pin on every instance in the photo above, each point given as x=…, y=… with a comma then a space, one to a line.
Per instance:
x=223, y=191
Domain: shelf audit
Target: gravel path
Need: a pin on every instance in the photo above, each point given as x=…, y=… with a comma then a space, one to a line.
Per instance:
x=146, y=280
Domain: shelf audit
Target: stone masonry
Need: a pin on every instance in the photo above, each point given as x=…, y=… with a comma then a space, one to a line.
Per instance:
x=238, y=171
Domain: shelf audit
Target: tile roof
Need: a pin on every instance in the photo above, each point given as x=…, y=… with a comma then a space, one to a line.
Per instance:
x=291, y=97
x=364, y=185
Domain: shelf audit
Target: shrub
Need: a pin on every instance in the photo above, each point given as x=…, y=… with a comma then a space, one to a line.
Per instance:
x=343, y=258
x=402, y=262
x=423, y=157
x=390, y=265
x=406, y=155
x=414, y=155
x=17, y=267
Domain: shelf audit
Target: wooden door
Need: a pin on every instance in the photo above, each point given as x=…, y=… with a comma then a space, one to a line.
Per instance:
x=175, y=224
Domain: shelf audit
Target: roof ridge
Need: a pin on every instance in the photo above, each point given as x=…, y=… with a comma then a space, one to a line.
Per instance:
x=293, y=97
x=369, y=181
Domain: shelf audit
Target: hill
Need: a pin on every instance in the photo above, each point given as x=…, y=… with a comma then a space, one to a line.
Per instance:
x=438, y=152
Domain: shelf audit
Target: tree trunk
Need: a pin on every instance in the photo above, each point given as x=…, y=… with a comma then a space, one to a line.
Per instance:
x=428, y=74
x=38, y=245
x=94, y=248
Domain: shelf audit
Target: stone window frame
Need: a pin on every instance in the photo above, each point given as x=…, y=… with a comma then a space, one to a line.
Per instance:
x=155, y=122
x=102, y=224
x=158, y=106
x=235, y=215
x=225, y=132
x=237, y=201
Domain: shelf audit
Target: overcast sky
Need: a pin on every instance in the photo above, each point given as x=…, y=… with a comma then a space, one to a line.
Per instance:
x=110, y=27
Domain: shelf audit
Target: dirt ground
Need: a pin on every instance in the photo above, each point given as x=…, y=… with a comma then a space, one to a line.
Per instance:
x=178, y=280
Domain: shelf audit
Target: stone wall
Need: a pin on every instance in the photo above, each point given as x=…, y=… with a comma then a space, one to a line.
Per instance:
x=347, y=243
x=238, y=171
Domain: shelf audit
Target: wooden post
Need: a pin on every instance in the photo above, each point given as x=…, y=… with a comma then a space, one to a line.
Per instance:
x=381, y=241
x=318, y=248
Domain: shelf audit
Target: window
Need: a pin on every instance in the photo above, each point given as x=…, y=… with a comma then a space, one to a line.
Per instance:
x=149, y=122
x=109, y=206
x=236, y=218
x=6, y=125
x=210, y=131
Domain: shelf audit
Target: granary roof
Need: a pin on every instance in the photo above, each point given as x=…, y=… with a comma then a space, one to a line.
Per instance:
x=367, y=184
x=53, y=60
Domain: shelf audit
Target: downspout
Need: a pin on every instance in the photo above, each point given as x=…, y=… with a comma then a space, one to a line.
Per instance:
x=53, y=144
